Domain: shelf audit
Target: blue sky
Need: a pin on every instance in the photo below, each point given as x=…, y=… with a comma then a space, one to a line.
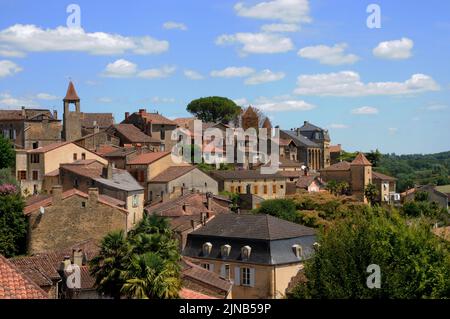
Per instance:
x=386, y=88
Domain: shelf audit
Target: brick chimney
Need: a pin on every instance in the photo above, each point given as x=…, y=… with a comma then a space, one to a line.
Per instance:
x=127, y=114
x=93, y=195
x=57, y=194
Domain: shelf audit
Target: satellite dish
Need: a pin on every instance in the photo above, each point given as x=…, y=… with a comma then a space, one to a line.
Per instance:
x=42, y=210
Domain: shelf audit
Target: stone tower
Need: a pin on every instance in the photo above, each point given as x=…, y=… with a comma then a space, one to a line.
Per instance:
x=361, y=175
x=250, y=119
x=71, y=119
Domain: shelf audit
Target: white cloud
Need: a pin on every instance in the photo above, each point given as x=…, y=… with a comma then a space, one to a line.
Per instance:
x=193, y=75
x=161, y=100
x=394, y=50
x=11, y=53
x=436, y=107
x=232, y=72
x=20, y=38
x=264, y=76
x=120, y=68
x=8, y=68
x=46, y=96
x=288, y=11
x=280, y=27
x=338, y=126
x=257, y=43
x=334, y=55
x=348, y=83
x=105, y=100
x=171, y=25
x=241, y=101
x=287, y=105
x=154, y=73
x=7, y=101
x=365, y=110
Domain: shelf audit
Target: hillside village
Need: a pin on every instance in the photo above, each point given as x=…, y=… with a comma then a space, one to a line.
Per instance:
x=84, y=175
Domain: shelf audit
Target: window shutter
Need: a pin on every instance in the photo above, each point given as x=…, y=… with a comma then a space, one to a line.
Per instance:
x=222, y=271
x=211, y=267
x=252, y=277
x=237, y=276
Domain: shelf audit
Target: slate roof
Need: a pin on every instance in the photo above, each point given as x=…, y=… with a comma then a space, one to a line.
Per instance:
x=172, y=173
x=71, y=94
x=48, y=148
x=300, y=139
x=14, y=284
x=147, y=158
x=244, y=174
x=134, y=134
x=308, y=130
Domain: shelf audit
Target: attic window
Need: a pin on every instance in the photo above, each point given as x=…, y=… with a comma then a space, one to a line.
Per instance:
x=206, y=249
x=83, y=204
x=225, y=251
x=245, y=252
x=298, y=250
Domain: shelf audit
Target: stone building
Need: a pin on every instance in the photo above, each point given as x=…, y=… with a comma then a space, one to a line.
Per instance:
x=259, y=253
x=267, y=186
x=154, y=125
x=62, y=219
x=308, y=152
x=37, y=169
x=30, y=128
x=110, y=181
x=130, y=135
x=321, y=137
x=77, y=124
x=96, y=140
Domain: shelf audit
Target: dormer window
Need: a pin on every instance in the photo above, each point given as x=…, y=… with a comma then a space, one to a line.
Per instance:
x=225, y=251
x=298, y=250
x=245, y=252
x=206, y=249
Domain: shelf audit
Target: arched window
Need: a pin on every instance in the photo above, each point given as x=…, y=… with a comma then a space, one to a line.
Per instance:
x=245, y=252
x=225, y=251
x=206, y=249
x=298, y=250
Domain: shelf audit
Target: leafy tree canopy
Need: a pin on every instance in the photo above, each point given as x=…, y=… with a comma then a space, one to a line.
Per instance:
x=7, y=154
x=214, y=109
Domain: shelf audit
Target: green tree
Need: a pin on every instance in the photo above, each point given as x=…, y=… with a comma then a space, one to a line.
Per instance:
x=7, y=154
x=13, y=224
x=414, y=263
x=421, y=196
x=374, y=157
x=332, y=187
x=371, y=192
x=281, y=208
x=214, y=109
x=108, y=265
x=342, y=188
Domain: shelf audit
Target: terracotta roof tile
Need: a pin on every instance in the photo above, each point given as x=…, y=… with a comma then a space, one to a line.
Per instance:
x=360, y=159
x=335, y=148
x=157, y=118
x=147, y=158
x=71, y=94
x=133, y=134
x=383, y=177
x=102, y=120
x=191, y=294
x=341, y=166
x=172, y=173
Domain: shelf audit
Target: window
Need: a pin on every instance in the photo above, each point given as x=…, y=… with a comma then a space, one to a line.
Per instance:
x=34, y=158
x=255, y=189
x=281, y=186
x=35, y=175
x=21, y=175
x=265, y=189
x=225, y=271
x=35, y=145
x=163, y=132
x=75, y=156
x=35, y=189
x=83, y=156
x=245, y=252
x=150, y=196
x=209, y=267
x=83, y=204
x=239, y=189
x=298, y=250
x=135, y=201
x=246, y=274
x=225, y=251
x=232, y=189
x=141, y=177
x=206, y=248
x=75, y=183
x=274, y=188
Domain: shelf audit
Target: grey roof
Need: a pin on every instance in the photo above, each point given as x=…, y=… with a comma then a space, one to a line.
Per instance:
x=271, y=239
x=308, y=127
x=121, y=179
x=300, y=139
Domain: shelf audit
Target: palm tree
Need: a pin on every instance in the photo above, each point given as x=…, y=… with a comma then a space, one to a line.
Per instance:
x=371, y=193
x=152, y=224
x=108, y=265
x=151, y=276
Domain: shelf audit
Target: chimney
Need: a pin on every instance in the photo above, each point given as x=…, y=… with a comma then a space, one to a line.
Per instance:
x=127, y=114
x=55, y=114
x=193, y=224
x=64, y=263
x=77, y=256
x=203, y=218
x=24, y=113
x=209, y=196
x=93, y=195
x=108, y=171
x=185, y=207
x=305, y=122
x=142, y=111
x=57, y=194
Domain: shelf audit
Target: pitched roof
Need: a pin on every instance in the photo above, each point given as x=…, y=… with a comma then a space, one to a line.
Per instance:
x=335, y=148
x=361, y=159
x=383, y=177
x=306, y=181
x=310, y=127
x=341, y=166
x=102, y=120
x=285, y=141
x=264, y=227
x=299, y=139
x=183, y=121
x=14, y=284
x=267, y=124
x=49, y=147
x=147, y=158
x=48, y=201
x=157, y=118
x=30, y=114
x=133, y=134
x=244, y=174
x=186, y=293
x=71, y=94
x=172, y=173
x=105, y=149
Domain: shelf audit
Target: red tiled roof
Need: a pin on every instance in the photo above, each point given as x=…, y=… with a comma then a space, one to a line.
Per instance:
x=147, y=158
x=11, y=115
x=172, y=173
x=183, y=121
x=306, y=181
x=14, y=284
x=71, y=94
x=157, y=118
x=48, y=148
x=105, y=149
x=341, y=166
x=383, y=177
x=102, y=120
x=104, y=199
x=284, y=141
x=133, y=134
x=335, y=148
x=91, y=169
x=360, y=159
x=191, y=294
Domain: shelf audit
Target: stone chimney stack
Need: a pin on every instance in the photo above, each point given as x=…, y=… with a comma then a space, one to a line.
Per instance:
x=57, y=194
x=93, y=195
x=209, y=196
x=24, y=113
x=108, y=171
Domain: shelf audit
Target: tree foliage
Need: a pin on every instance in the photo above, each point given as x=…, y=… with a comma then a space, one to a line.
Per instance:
x=7, y=154
x=214, y=109
x=371, y=193
x=13, y=224
x=143, y=265
x=414, y=263
x=281, y=208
